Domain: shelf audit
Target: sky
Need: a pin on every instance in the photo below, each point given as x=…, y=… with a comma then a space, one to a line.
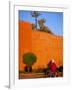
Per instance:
x=54, y=20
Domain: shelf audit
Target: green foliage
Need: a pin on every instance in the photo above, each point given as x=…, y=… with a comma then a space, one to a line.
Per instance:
x=60, y=69
x=43, y=27
x=33, y=26
x=29, y=59
x=46, y=29
x=41, y=22
x=35, y=14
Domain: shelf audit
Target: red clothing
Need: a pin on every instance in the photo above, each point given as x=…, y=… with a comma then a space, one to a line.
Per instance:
x=53, y=67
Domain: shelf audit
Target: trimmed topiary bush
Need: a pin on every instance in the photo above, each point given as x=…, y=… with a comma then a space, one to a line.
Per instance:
x=29, y=59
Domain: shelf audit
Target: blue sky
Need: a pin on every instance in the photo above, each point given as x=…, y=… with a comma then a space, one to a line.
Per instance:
x=54, y=20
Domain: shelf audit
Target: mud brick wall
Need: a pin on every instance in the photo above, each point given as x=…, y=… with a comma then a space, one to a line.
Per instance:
x=44, y=45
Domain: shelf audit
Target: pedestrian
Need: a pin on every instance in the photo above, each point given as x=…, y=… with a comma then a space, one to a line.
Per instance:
x=53, y=68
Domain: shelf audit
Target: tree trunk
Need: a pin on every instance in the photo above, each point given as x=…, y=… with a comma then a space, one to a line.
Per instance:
x=28, y=69
x=36, y=22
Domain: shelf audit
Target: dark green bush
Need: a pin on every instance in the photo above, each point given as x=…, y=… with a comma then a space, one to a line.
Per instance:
x=29, y=58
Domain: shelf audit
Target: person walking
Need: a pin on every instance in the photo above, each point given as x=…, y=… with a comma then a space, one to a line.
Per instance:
x=53, y=68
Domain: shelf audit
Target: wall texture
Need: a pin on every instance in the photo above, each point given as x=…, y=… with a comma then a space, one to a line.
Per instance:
x=44, y=45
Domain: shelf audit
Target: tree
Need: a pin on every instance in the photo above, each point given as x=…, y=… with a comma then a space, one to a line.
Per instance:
x=29, y=59
x=43, y=27
x=41, y=23
x=33, y=26
x=35, y=14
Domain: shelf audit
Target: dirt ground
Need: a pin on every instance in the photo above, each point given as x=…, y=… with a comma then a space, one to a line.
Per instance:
x=35, y=75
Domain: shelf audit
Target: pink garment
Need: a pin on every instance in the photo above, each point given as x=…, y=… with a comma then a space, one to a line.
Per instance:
x=53, y=67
